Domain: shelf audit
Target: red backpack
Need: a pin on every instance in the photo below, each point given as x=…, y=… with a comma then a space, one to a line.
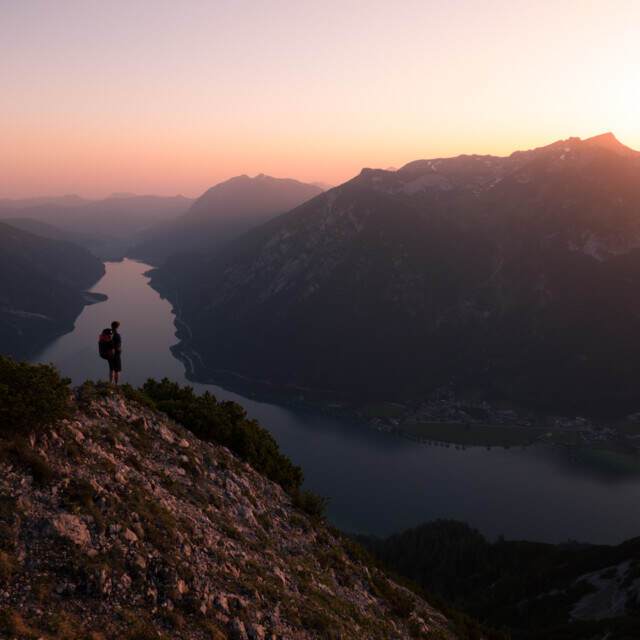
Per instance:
x=105, y=344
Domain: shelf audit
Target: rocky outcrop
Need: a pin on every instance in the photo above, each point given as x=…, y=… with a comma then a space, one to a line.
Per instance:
x=119, y=523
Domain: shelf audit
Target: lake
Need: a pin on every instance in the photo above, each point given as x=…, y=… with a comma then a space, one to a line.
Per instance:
x=378, y=482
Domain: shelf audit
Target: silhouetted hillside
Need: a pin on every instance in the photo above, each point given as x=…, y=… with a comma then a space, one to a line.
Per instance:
x=536, y=591
x=42, y=288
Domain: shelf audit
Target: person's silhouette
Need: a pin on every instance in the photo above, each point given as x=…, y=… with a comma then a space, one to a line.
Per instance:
x=115, y=362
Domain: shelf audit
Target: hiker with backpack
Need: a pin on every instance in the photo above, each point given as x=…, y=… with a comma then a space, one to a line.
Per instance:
x=110, y=349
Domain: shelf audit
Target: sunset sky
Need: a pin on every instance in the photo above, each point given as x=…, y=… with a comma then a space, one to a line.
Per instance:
x=154, y=96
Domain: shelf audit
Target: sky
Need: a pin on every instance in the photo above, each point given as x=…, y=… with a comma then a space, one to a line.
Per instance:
x=159, y=96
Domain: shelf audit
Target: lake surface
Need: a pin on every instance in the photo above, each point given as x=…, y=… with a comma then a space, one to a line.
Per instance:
x=378, y=482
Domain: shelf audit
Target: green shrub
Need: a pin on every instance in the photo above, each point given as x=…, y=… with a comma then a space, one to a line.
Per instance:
x=32, y=396
x=311, y=503
x=225, y=423
x=137, y=395
x=18, y=451
x=90, y=391
x=400, y=602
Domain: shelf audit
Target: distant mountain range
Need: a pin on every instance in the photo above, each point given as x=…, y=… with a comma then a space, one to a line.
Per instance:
x=512, y=278
x=45, y=230
x=222, y=214
x=43, y=286
x=69, y=200
x=107, y=227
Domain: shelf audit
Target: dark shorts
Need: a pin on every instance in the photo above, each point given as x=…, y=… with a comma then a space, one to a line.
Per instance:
x=115, y=363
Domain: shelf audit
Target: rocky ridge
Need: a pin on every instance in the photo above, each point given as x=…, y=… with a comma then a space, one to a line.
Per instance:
x=119, y=523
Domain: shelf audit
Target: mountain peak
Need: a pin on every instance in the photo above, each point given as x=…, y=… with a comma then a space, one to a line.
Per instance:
x=610, y=142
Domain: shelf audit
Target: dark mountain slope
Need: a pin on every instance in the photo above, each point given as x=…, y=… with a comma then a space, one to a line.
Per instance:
x=536, y=591
x=514, y=277
x=42, y=285
x=223, y=213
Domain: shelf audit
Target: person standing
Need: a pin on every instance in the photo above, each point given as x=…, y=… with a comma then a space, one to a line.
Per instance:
x=115, y=362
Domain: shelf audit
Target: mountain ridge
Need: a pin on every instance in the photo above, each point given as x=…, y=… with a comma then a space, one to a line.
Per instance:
x=473, y=270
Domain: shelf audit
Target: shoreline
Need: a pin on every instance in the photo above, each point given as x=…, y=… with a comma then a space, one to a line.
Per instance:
x=462, y=434
x=436, y=420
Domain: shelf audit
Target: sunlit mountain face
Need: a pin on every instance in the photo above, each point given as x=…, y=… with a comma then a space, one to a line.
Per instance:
x=511, y=277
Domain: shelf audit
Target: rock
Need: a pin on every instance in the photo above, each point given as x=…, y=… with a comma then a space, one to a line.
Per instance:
x=77, y=434
x=152, y=593
x=181, y=586
x=138, y=529
x=222, y=603
x=238, y=630
x=257, y=632
x=278, y=573
x=24, y=503
x=165, y=434
x=130, y=536
x=246, y=513
x=73, y=528
x=105, y=582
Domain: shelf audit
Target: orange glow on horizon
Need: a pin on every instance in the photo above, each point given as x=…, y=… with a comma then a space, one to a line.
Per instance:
x=98, y=98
